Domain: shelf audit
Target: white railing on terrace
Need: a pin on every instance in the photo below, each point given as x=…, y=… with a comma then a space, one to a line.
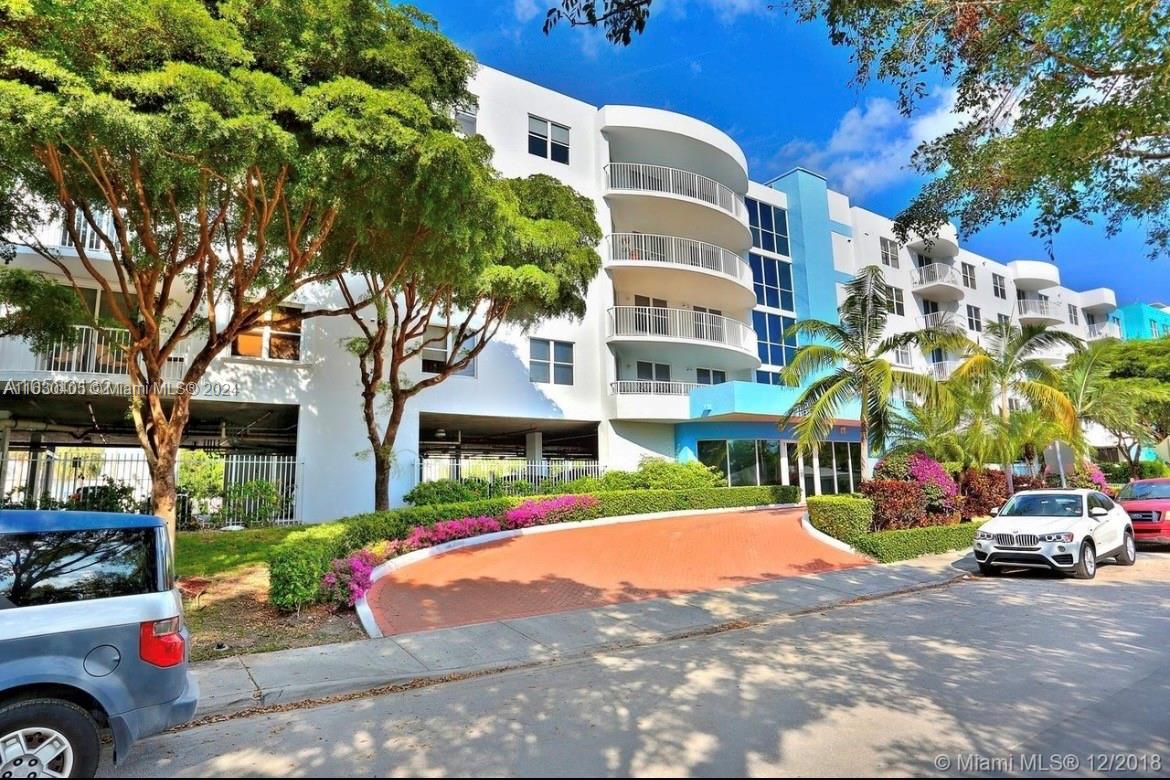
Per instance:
x=97, y=352
x=681, y=324
x=941, y=372
x=1104, y=330
x=673, y=250
x=936, y=319
x=503, y=474
x=1036, y=308
x=651, y=387
x=937, y=273
x=660, y=178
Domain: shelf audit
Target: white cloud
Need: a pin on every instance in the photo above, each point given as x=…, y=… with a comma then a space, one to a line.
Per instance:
x=869, y=150
x=526, y=10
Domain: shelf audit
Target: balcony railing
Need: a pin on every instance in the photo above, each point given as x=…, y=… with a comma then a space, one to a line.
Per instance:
x=1035, y=308
x=936, y=319
x=937, y=273
x=681, y=324
x=672, y=250
x=96, y=352
x=660, y=178
x=651, y=387
x=1104, y=330
x=942, y=371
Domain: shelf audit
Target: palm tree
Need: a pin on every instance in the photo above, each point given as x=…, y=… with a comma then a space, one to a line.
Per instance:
x=1029, y=432
x=848, y=362
x=925, y=428
x=1008, y=362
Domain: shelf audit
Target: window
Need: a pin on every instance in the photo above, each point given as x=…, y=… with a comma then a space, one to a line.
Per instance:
x=897, y=301
x=902, y=356
x=280, y=341
x=767, y=376
x=57, y=568
x=435, y=353
x=769, y=227
x=710, y=376
x=999, y=286
x=1004, y=320
x=969, y=276
x=889, y=252
x=773, y=347
x=974, y=319
x=548, y=139
x=466, y=117
x=772, y=279
x=550, y=361
x=1074, y=315
x=653, y=372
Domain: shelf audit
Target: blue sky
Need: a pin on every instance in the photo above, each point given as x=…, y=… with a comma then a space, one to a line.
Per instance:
x=783, y=92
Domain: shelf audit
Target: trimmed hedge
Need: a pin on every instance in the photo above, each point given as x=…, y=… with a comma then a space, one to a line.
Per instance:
x=297, y=564
x=841, y=517
x=848, y=519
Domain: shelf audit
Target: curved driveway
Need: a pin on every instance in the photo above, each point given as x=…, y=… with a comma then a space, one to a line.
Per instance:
x=579, y=568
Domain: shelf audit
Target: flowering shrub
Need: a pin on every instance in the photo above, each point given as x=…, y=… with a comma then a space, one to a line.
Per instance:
x=896, y=465
x=896, y=503
x=561, y=509
x=348, y=578
x=939, y=489
x=982, y=491
x=1085, y=475
x=449, y=530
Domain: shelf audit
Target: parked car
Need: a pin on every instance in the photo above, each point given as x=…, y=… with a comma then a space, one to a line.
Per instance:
x=1064, y=530
x=91, y=639
x=1148, y=503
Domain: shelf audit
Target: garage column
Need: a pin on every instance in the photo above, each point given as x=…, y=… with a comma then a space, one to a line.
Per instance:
x=533, y=446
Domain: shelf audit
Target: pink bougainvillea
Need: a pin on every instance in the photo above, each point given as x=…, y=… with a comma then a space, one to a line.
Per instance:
x=940, y=489
x=348, y=578
x=548, y=510
x=449, y=530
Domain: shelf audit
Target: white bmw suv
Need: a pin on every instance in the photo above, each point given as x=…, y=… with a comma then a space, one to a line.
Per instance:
x=1063, y=530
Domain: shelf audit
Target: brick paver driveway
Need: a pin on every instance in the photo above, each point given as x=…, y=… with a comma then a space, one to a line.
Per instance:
x=590, y=567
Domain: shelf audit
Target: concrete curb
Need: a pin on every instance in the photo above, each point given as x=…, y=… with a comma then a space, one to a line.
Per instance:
x=366, y=615
x=824, y=538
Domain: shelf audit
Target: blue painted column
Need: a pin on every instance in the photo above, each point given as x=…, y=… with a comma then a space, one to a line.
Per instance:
x=811, y=243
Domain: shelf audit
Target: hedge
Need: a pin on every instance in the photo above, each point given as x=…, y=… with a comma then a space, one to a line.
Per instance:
x=297, y=564
x=848, y=519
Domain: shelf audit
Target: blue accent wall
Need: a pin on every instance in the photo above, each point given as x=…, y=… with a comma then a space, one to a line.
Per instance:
x=1138, y=321
x=811, y=241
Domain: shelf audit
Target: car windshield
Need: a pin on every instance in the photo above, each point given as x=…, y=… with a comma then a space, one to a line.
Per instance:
x=1042, y=505
x=1137, y=491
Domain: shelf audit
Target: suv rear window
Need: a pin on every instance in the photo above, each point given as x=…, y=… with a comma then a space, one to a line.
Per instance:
x=60, y=567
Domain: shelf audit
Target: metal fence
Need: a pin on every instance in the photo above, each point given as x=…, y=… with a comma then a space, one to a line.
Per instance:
x=506, y=475
x=236, y=489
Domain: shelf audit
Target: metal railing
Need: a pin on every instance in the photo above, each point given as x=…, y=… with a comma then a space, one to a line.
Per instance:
x=660, y=178
x=937, y=273
x=1104, y=330
x=940, y=372
x=506, y=476
x=681, y=324
x=673, y=250
x=1037, y=308
x=95, y=352
x=936, y=319
x=651, y=387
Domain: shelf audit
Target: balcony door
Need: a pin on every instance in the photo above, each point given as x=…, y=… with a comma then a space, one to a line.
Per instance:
x=651, y=315
x=708, y=324
x=653, y=377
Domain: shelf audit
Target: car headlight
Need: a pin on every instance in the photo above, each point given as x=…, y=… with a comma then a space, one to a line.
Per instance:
x=983, y=536
x=1064, y=536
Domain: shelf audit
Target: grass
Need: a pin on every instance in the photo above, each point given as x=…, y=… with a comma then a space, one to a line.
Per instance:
x=225, y=598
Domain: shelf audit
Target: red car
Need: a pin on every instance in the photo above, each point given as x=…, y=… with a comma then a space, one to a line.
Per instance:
x=1148, y=503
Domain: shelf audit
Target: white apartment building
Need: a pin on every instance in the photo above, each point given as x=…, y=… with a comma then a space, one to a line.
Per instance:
x=677, y=356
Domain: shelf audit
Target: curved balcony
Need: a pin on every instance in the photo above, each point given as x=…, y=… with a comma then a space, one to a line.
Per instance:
x=639, y=399
x=1100, y=300
x=691, y=270
x=1104, y=330
x=684, y=336
x=1034, y=274
x=937, y=319
x=669, y=201
x=942, y=371
x=944, y=243
x=939, y=282
x=1034, y=312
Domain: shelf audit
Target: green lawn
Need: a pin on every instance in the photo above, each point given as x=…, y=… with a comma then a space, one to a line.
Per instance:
x=207, y=553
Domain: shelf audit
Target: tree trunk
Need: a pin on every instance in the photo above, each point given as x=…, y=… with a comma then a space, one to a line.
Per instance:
x=384, y=457
x=162, y=478
x=1005, y=416
x=865, y=470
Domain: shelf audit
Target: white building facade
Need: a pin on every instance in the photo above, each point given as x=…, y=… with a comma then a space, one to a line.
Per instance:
x=678, y=354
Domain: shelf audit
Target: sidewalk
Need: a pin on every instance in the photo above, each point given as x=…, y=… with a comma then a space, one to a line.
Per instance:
x=247, y=681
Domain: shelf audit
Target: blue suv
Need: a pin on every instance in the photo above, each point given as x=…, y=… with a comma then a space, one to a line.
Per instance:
x=91, y=639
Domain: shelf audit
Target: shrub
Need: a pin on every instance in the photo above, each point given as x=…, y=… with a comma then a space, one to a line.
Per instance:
x=896, y=504
x=841, y=517
x=982, y=491
x=939, y=489
x=349, y=578
x=658, y=473
x=889, y=546
x=895, y=466
x=562, y=509
x=447, y=491
x=1026, y=482
x=1115, y=472
x=448, y=531
x=110, y=496
x=1151, y=469
x=252, y=503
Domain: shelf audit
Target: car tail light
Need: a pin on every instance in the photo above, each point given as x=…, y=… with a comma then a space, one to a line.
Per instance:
x=160, y=642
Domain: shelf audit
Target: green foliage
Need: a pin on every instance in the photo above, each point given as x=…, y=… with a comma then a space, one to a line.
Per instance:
x=982, y=490
x=201, y=474
x=253, y=503
x=652, y=474
x=110, y=495
x=896, y=465
x=35, y=308
x=841, y=517
x=890, y=546
x=207, y=553
x=297, y=565
x=446, y=491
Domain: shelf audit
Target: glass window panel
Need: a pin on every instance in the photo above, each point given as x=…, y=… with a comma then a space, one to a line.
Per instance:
x=560, y=134
x=786, y=301
x=772, y=296
x=714, y=453
x=782, y=245
x=757, y=264
x=785, y=276
x=855, y=463
x=538, y=349
x=776, y=353
x=768, y=453
x=810, y=477
x=755, y=236
x=537, y=146
x=250, y=344
x=766, y=217
x=538, y=372
x=282, y=347
x=100, y=564
x=562, y=374
x=538, y=126
x=560, y=153
x=768, y=241
x=563, y=352
x=771, y=273
x=742, y=462
x=781, y=221
x=841, y=456
x=753, y=212
x=825, y=465
x=774, y=329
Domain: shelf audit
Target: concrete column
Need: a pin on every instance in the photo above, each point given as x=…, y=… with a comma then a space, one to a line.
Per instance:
x=533, y=444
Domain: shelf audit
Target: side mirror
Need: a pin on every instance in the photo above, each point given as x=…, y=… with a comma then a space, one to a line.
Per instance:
x=1098, y=511
x=994, y=511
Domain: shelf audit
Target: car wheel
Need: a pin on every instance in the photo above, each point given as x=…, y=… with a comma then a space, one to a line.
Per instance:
x=987, y=570
x=1086, y=568
x=1128, y=554
x=47, y=738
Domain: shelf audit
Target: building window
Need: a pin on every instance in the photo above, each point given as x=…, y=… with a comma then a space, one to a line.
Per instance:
x=1004, y=320
x=974, y=319
x=281, y=341
x=436, y=350
x=772, y=279
x=769, y=227
x=466, y=117
x=774, y=348
x=902, y=356
x=969, y=276
x=768, y=376
x=897, y=301
x=1074, y=315
x=548, y=139
x=762, y=462
x=999, y=286
x=550, y=361
x=710, y=376
x=889, y=252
